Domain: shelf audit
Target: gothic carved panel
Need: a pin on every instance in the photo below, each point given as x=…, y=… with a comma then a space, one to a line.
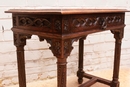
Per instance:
x=34, y=21
x=103, y=21
x=58, y=25
x=67, y=24
x=43, y=23
x=31, y=21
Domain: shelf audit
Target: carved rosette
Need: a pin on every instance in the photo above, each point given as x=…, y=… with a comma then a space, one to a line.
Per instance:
x=20, y=39
x=96, y=21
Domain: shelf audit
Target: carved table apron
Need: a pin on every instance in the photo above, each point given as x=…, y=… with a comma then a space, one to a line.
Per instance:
x=60, y=28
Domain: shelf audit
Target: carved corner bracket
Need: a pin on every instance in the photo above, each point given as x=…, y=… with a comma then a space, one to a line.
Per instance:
x=60, y=48
x=118, y=33
x=20, y=39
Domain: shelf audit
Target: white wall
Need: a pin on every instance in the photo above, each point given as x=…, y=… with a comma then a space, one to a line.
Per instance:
x=40, y=63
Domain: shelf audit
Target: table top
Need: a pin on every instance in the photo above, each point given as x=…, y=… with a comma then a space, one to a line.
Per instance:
x=64, y=11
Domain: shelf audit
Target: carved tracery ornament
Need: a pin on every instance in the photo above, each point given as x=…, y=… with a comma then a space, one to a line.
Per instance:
x=58, y=25
x=101, y=21
x=34, y=21
x=56, y=47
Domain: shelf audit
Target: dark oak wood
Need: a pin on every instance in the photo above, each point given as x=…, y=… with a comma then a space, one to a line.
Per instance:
x=80, y=71
x=20, y=42
x=60, y=28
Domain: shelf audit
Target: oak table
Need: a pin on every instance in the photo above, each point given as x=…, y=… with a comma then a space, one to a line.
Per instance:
x=60, y=28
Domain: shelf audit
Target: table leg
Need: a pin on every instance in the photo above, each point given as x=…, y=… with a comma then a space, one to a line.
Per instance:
x=61, y=72
x=80, y=65
x=118, y=35
x=20, y=42
x=21, y=67
x=61, y=49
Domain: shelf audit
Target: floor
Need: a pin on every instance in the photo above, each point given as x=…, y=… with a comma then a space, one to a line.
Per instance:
x=72, y=80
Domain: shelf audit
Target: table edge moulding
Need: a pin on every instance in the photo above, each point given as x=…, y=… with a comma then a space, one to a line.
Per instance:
x=60, y=28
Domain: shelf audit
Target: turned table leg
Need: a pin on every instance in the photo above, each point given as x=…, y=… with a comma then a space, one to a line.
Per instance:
x=118, y=35
x=80, y=63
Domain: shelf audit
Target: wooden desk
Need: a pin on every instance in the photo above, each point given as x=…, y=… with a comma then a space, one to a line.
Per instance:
x=60, y=28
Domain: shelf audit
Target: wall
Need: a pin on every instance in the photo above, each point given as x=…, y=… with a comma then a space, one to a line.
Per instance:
x=40, y=62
